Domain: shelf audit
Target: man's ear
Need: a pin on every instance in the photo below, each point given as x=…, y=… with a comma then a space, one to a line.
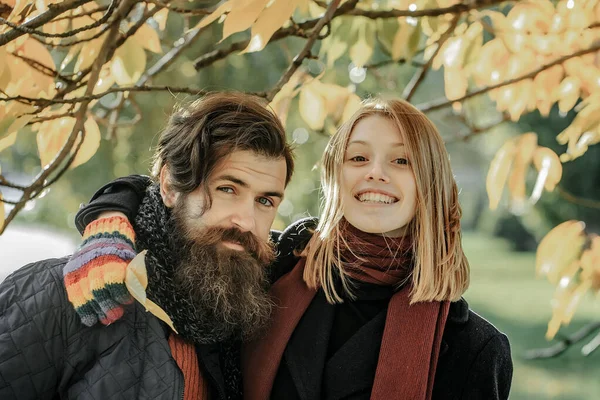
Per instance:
x=167, y=192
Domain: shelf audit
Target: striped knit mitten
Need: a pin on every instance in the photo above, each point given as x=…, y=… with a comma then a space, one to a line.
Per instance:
x=95, y=275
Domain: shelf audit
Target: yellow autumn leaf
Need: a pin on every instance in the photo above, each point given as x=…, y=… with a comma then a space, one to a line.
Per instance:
x=559, y=248
x=268, y=22
x=590, y=263
x=361, y=52
x=51, y=137
x=147, y=38
x=567, y=93
x=455, y=83
x=88, y=54
x=161, y=18
x=312, y=107
x=242, y=15
x=128, y=63
x=90, y=144
x=12, y=124
x=498, y=172
x=352, y=105
x=525, y=147
x=406, y=40
x=136, y=280
x=215, y=15
x=5, y=74
x=549, y=168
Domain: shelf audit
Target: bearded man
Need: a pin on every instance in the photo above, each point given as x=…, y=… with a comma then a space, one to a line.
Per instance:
x=220, y=170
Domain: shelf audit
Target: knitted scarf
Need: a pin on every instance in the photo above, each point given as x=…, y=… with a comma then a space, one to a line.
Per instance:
x=153, y=225
x=411, y=337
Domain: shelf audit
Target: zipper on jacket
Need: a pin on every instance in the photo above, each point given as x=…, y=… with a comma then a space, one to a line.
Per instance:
x=208, y=376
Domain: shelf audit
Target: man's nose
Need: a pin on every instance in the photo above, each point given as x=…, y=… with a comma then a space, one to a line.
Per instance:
x=243, y=217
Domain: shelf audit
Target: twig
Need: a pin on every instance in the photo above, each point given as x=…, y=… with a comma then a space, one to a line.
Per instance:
x=560, y=347
x=474, y=130
x=420, y=75
x=83, y=14
x=25, y=29
x=43, y=103
x=428, y=12
x=178, y=10
x=443, y=102
x=43, y=179
x=305, y=52
x=216, y=55
x=588, y=203
x=44, y=69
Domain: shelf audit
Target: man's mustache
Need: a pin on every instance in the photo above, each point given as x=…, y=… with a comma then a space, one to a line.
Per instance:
x=259, y=249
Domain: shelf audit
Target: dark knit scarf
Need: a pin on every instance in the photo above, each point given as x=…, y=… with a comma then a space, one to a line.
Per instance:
x=376, y=259
x=152, y=226
x=411, y=338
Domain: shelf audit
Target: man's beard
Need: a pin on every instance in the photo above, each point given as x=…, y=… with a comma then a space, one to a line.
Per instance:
x=226, y=288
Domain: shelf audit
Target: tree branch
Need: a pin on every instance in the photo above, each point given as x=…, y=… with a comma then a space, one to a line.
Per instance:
x=443, y=102
x=419, y=76
x=428, y=12
x=305, y=52
x=43, y=179
x=179, y=10
x=216, y=55
x=560, y=347
x=588, y=203
x=53, y=11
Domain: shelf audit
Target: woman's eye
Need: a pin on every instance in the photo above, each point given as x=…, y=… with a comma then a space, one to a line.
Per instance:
x=358, y=159
x=225, y=189
x=402, y=161
x=265, y=201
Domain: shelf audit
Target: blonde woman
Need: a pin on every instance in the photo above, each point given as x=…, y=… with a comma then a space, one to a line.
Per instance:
x=368, y=298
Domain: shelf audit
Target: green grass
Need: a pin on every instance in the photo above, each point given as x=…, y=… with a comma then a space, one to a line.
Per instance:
x=505, y=291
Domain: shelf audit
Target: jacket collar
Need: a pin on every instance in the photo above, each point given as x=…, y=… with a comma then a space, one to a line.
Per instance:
x=457, y=315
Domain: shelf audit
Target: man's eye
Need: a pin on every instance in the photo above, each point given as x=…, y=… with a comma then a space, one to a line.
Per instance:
x=265, y=201
x=358, y=159
x=225, y=189
x=402, y=161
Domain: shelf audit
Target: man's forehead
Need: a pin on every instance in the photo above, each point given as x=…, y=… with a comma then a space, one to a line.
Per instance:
x=256, y=170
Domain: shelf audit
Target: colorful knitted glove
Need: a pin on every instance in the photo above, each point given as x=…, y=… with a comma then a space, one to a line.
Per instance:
x=95, y=275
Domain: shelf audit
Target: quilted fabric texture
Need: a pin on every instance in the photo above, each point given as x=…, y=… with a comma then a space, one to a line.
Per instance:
x=46, y=353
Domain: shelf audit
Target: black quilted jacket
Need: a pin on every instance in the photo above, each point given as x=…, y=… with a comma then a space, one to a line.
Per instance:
x=47, y=353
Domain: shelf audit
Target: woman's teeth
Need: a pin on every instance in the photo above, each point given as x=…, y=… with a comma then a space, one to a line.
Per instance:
x=369, y=197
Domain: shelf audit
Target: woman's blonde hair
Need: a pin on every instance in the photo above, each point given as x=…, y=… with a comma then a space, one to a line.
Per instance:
x=441, y=269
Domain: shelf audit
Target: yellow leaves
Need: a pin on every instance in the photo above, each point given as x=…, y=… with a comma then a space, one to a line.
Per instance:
x=319, y=101
x=406, y=40
x=147, y=38
x=558, y=249
x=511, y=163
x=129, y=63
x=362, y=49
x=264, y=16
x=312, y=107
x=271, y=19
x=52, y=136
x=567, y=93
x=584, y=131
x=136, y=280
x=569, y=259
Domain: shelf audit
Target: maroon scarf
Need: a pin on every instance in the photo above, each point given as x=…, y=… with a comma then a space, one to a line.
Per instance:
x=411, y=338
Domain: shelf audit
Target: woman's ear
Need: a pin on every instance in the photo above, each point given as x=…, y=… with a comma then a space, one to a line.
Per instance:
x=167, y=192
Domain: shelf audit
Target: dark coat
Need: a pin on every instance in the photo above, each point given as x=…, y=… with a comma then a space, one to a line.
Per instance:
x=474, y=363
x=47, y=353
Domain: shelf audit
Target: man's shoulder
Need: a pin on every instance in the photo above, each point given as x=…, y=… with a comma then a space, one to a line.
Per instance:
x=40, y=280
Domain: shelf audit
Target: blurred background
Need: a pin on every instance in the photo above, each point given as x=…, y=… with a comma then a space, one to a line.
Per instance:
x=500, y=246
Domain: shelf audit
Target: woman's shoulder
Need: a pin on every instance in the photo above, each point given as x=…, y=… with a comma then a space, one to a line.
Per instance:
x=467, y=329
x=289, y=245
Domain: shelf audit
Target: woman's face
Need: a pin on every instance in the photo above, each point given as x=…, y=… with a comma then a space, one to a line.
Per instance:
x=378, y=187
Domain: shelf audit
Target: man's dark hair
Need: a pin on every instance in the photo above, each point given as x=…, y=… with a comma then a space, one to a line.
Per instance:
x=198, y=136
